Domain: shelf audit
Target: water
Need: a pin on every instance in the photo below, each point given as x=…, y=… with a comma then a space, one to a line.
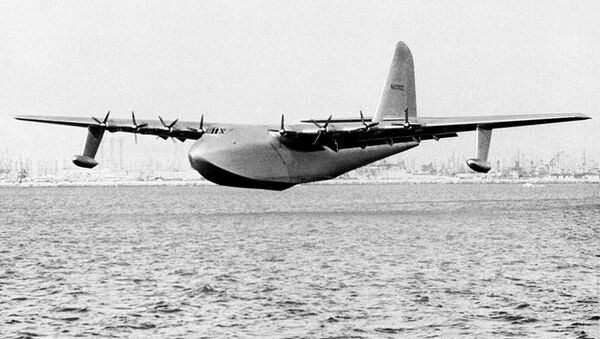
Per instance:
x=314, y=261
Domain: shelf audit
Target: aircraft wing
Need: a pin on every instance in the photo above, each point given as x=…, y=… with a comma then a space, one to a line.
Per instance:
x=462, y=124
x=96, y=128
x=68, y=121
x=180, y=130
x=347, y=133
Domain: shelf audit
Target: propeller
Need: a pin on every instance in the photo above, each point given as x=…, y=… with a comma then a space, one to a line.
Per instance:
x=169, y=127
x=282, y=130
x=200, y=127
x=136, y=127
x=102, y=123
x=406, y=124
x=322, y=128
x=366, y=127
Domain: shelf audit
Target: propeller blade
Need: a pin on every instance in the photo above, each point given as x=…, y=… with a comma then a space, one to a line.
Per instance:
x=316, y=123
x=322, y=127
x=102, y=123
x=173, y=123
x=317, y=139
x=200, y=127
x=135, y=127
x=282, y=130
x=362, y=121
x=366, y=126
x=135, y=124
x=327, y=122
x=162, y=121
x=406, y=121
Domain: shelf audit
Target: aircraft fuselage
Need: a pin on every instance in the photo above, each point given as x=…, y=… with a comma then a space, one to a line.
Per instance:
x=252, y=157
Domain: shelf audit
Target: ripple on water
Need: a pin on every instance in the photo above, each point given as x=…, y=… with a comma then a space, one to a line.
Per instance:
x=314, y=261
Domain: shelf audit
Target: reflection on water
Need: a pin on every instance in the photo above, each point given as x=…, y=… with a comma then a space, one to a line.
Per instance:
x=313, y=261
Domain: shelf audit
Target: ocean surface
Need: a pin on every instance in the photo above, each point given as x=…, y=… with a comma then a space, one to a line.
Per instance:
x=315, y=261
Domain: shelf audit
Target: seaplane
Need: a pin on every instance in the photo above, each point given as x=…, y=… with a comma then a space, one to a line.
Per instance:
x=281, y=156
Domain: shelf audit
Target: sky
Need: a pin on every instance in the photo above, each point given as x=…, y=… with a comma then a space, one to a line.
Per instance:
x=251, y=61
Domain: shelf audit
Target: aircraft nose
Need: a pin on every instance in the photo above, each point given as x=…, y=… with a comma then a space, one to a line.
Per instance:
x=196, y=155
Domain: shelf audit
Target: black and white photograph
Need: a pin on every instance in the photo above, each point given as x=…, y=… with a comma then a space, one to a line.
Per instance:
x=299, y=169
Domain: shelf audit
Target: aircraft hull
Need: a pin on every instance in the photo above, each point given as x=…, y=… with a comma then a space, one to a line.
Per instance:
x=257, y=159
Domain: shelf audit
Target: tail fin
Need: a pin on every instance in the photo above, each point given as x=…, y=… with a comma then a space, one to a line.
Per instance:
x=399, y=89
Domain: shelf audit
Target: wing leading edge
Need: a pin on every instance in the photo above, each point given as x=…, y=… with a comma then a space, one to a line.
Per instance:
x=96, y=128
x=335, y=134
x=462, y=124
x=181, y=130
x=345, y=133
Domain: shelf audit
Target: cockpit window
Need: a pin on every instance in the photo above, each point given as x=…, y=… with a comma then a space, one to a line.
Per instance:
x=217, y=130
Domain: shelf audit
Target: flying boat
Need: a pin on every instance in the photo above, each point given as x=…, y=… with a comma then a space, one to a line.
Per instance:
x=281, y=156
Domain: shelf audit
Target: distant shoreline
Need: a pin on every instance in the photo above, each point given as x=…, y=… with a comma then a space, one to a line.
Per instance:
x=411, y=181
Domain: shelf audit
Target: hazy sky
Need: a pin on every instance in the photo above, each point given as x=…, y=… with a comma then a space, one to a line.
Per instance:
x=251, y=61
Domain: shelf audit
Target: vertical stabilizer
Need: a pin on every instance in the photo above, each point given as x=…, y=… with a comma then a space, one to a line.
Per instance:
x=399, y=89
